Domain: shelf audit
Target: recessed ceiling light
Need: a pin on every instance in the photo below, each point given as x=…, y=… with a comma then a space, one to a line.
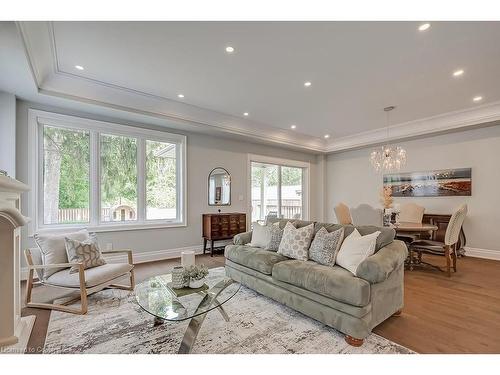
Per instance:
x=180, y=95
x=293, y=126
x=458, y=73
x=245, y=114
x=424, y=26
x=307, y=84
x=79, y=67
x=326, y=136
x=229, y=49
x=477, y=98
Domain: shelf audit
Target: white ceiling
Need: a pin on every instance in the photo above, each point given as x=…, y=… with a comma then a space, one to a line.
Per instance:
x=356, y=69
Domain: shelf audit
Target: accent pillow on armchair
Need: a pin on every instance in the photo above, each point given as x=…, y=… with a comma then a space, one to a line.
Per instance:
x=53, y=247
x=86, y=252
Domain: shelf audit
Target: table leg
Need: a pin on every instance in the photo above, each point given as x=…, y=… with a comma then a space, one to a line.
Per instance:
x=196, y=322
x=212, y=248
x=204, y=244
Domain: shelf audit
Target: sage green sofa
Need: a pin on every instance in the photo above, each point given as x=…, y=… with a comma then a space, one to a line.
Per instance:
x=334, y=296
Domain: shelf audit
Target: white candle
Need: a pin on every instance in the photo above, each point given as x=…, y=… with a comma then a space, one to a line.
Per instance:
x=187, y=259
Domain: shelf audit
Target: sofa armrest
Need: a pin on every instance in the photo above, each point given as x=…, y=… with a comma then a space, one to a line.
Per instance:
x=242, y=238
x=377, y=267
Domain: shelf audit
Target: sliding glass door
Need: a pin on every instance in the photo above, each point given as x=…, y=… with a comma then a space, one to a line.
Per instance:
x=277, y=191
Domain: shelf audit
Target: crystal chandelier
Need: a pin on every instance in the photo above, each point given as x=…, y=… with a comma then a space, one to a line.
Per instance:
x=388, y=158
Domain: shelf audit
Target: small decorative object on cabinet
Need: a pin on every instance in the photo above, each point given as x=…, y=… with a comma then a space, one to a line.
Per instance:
x=221, y=226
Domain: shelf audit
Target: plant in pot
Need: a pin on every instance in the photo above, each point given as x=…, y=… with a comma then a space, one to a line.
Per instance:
x=196, y=275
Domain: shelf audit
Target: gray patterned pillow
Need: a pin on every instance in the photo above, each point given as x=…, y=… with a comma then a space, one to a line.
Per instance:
x=86, y=252
x=295, y=242
x=276, y=234
x=325, y=246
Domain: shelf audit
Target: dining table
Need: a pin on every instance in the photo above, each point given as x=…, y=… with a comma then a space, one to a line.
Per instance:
x=412, y=230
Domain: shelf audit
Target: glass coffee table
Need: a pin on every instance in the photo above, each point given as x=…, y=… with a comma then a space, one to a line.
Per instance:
x=157, y=297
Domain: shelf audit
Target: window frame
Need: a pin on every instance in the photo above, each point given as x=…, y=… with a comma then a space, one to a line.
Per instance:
x=38, y=119
x=306, y=166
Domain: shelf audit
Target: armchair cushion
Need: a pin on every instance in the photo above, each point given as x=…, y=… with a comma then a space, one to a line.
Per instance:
x=93, y=276
x=53, y=248
x=377, y=267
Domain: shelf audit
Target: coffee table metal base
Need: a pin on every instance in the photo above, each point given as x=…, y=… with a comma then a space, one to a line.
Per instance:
x=196, y=322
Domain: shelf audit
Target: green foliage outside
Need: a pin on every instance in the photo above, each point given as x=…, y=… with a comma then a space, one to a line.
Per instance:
x=289, y=176
x=118, y=170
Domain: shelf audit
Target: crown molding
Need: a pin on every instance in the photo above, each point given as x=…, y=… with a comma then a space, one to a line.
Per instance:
x=41, y=52
x=483, y=115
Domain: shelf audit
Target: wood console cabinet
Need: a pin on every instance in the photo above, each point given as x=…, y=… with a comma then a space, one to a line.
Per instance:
x=222, y=226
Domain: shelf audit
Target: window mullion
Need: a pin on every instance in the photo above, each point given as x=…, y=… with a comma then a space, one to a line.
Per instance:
x=141, y=180
x=95, y=178
x=278, y=195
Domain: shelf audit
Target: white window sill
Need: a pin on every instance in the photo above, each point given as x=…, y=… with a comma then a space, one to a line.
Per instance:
x=109, y=227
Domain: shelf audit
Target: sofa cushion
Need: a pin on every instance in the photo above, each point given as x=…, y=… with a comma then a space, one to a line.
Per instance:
x=261, y=235
x=93, y=276
x=355, y=249
x=385, y=238
x=296, y=223
x=253, y=257
x=333, y=282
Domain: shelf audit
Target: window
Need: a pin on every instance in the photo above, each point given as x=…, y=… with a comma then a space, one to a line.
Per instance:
x=104, y=176
x=278, y=190
x=118, y=178
x=66, y=184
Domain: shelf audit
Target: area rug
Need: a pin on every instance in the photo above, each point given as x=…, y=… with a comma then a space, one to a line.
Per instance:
x=116, y=324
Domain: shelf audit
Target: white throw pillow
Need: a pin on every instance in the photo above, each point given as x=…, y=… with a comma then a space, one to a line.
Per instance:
x=295, y=241
x=261, y=235
x=355, y=249
x=53, y=248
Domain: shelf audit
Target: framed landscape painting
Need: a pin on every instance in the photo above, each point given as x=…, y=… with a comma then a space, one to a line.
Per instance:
x=447, y=182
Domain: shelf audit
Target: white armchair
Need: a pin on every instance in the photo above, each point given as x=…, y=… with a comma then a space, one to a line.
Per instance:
x=86, y=281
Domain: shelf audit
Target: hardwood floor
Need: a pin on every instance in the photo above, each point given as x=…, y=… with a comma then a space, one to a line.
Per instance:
x=460, y=314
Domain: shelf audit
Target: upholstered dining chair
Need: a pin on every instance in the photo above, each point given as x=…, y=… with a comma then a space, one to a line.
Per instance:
x=410, y=213
x=448, y=248
x=85, y=281
x=365, y=214
x=343, y=214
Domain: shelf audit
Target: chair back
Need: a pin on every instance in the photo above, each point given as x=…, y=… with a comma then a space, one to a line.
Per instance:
x=343, y=214
x=454, y=226
x=411, y=213
x=365, y=214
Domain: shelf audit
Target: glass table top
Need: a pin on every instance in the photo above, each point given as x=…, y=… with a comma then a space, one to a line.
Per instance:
x=156, y=296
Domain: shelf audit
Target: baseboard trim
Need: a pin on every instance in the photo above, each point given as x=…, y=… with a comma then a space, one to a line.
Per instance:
x=145, y=257
x=482, y=253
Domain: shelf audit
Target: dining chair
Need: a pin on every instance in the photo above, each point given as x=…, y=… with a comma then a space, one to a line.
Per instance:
x=448, y=248
x=365, y=214
x=343, y=214
x=410, y=213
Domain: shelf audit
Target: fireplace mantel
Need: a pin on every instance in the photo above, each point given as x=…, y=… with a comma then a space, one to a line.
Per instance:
x=14, y=329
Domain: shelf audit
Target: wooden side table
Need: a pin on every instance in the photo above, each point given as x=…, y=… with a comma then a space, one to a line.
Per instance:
x=221, y=226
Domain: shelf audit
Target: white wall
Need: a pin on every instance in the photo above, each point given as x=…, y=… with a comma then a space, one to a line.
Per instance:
x=8, y=133
x=203, y=154
x=350, y=179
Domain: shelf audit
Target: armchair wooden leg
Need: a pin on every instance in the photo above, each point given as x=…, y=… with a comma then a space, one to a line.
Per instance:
x=353, y=341
x=448, y=260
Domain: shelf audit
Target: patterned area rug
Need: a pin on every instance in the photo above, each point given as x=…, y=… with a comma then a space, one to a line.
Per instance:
x=116, y=324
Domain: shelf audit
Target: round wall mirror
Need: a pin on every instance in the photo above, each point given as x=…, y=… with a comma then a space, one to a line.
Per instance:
x=219, y=187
